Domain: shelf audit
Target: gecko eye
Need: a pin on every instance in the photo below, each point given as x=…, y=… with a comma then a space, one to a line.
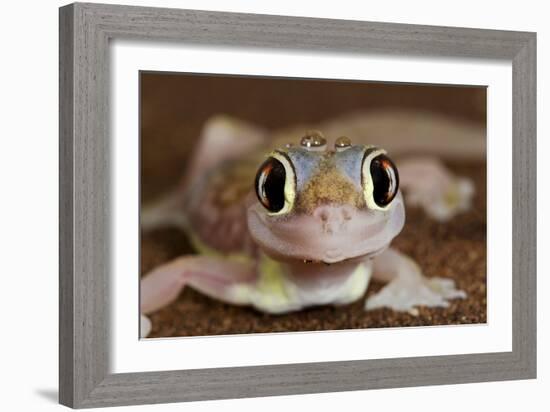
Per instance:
x=380, y=179
x=275, y=184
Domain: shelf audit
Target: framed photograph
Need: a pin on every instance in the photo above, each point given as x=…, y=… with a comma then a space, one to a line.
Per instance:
x=256, y=205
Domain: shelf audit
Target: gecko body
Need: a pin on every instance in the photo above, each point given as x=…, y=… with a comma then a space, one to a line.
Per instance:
x=296, y=223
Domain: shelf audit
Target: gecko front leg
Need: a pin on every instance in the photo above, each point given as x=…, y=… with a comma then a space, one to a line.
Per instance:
x=216, y=277
x=407, y=287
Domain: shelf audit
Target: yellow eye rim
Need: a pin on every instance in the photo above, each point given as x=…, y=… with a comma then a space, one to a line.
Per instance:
x=290, y=184
x=368, y=185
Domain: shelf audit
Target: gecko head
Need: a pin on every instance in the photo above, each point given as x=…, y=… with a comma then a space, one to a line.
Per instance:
x=326, y=205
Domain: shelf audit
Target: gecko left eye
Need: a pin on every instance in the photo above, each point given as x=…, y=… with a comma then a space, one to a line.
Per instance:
x=380, y=179
x=275, y=184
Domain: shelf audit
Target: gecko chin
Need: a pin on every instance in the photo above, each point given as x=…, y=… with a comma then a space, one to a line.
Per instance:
x=330, y=259
x=330, y=234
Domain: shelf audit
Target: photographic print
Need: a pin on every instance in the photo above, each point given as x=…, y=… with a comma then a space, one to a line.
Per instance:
x=351, y=202
x=287, y=204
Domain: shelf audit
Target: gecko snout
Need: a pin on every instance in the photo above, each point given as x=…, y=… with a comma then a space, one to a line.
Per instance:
x=333, y=218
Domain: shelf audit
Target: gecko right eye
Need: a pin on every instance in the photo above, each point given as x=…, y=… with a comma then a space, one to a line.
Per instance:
x=380, y=179
x=275, y=184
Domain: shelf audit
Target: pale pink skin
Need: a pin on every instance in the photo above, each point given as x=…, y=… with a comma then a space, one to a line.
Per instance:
x=339, y=235
x=330, y=234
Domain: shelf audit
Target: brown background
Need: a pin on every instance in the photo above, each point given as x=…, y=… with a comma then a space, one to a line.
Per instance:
x=174, y=107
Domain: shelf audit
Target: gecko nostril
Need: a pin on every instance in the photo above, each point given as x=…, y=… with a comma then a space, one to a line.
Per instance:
x=322, y=213
x=333, y=216
x=347, y=212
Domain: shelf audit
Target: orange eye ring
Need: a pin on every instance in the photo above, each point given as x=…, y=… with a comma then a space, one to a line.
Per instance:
x=270, y=185
x=385, y=179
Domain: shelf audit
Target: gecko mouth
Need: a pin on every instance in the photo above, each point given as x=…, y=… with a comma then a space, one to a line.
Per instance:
x=368, y=255
x=302, y=239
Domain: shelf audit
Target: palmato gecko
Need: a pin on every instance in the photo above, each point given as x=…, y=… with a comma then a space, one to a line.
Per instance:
x=283, y=221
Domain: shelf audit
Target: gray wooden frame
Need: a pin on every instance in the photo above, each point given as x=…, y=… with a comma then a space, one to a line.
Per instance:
x=85, y=31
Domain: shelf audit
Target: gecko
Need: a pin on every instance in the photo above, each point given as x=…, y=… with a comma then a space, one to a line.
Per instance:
x=284, y=221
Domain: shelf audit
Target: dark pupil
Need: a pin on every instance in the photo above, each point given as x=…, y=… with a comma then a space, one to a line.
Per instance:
x=385, y=180
x=270, y=184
